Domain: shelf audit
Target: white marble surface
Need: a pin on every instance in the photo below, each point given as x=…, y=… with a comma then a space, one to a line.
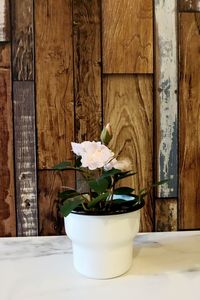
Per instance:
x=166, y=266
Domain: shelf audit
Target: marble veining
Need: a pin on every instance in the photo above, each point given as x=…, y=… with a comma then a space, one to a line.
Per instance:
x=165, y=266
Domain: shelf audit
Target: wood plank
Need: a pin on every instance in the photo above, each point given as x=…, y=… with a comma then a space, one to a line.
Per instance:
x=189, y=97
x=87, y=73
x=166, y=97
x=87, y=69
x=189, y=5
x=128, y=107
x=127, y=36
x=25, y=158
x=54, y=81
x=7, y=201
x=50, y=183
x=166, y=214
x=4, y=21
x=22, y=39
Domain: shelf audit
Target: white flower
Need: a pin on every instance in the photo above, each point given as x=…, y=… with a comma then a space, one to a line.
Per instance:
x=93, y=154
x=123, y=165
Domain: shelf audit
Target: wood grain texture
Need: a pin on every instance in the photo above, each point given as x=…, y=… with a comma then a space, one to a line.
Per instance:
x=25, y=158
x=166, y=214
x=50, y=183
x=7, y=201
x=166, y=107
x=189, y=95
x=54, y=81
x=22, y=39
x=87, y=73
x=4, y=21
x=128, y=107
x=127, y=36
x=189, y=5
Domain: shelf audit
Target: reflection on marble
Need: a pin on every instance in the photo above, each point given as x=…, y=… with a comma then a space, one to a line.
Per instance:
x=165, y=266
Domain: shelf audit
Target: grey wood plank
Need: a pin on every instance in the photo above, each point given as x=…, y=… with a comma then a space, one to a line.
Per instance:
x=166, y=97
x=4, y=21
x=25, y=158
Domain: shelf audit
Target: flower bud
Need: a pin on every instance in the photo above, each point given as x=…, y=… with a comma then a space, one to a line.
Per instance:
x=106, y=134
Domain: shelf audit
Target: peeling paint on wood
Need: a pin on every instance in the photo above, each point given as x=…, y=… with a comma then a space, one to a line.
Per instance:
x=166, y=96
x=25, y=158
x=189, y=5
x=4, y=21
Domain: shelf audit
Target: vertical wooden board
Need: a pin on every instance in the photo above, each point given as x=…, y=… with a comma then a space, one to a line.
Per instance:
x=7, y=201
x=25, y=158
x=127, y=36
x=54, y=81
x=22, y=39
x=166, y=214
x=166, y=97
x=50, y=183
x=128, y=107
x=87, y=69
x=4, y=21
x=189, y=97
x=189, y=5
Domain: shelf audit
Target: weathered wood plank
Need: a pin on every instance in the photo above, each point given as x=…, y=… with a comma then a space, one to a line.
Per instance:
x=189, y=97
x=4, y=21
x=87, y=73
x=54, y=81
x=166, y=214
x=128, y=107
x=22, y=39
x=50, y=183
x=87, y=69
x=189, y=5
x=127, y=36
x=166, y=97
x=7, y=201
x=25, y=158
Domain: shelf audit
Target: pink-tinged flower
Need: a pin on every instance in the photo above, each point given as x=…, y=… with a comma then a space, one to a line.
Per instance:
x=93, y=154
x=123, y=165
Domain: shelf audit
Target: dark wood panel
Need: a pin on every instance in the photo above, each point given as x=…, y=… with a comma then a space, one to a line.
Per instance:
x=165, y=214
x=189, y=5
x=166, y=109
x=128, y=108
x=25, y=158
x=22, y=39
x=4, y=20
x=189, y=97
x=50, y=183
x=127, y=36
x=54, y=81
x=7, y=201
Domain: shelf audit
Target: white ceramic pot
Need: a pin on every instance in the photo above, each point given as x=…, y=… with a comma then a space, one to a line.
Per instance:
x=102, y=245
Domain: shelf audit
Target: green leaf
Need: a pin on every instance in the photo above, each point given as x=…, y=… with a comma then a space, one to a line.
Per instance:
x=123, y=175
x=78, y=162
x=99, y=185
x=123, y=191
x=63, y=165
x=111, y=172
x=98, y=199
x=70, y=204
x=68, y=194
x=160, y=182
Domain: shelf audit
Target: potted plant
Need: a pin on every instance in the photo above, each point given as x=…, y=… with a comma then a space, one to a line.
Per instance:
x=102, y=221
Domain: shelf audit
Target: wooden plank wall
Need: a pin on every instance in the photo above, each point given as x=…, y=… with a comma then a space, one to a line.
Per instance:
x=68, y=67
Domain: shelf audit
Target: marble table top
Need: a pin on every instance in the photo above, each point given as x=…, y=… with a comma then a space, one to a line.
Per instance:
x=166, y=266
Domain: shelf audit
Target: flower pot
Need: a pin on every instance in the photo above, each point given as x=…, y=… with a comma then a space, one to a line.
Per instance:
x=102, y=244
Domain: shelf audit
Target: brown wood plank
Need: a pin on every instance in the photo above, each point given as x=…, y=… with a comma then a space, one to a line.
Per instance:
x=87, y=69
x=25, y=158
x=166, y=214
x=50, y=183
x=22, y=39
x=189, y=5
x=127, y=36
x=54, y=81
x=7, y=201
x=128, y=107
x=4, y=21
x=189, y=97
x=166, y=108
